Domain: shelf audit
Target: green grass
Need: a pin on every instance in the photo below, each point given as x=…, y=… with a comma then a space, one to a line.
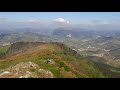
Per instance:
x=56, y=71
x=3, y=49
x=107, y=70
x=61, y=61
x=65, y=67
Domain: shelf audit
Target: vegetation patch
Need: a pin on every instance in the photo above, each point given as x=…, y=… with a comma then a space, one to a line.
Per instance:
x=4, y=49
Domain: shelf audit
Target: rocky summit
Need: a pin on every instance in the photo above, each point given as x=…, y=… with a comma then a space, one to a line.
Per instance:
x=25, y=70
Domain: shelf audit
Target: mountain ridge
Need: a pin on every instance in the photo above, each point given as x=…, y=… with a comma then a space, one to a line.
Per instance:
x=62, y=61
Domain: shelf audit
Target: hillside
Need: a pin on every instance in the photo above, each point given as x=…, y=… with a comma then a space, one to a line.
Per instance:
x=25, y=36
x=45, y=60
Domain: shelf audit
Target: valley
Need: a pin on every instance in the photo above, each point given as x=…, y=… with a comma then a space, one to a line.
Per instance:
x=101, y=50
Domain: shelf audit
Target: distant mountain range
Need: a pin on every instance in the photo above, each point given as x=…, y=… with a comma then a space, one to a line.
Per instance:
x=86, y=33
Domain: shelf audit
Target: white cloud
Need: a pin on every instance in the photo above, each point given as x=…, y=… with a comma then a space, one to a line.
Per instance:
x=61, y=20
x=67, y=22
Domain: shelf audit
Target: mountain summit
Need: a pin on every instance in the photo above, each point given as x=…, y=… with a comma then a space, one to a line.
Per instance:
x=45, y=60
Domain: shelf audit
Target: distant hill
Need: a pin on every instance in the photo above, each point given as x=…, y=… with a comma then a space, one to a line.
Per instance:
x=12, y=37
x=75, y=32
x=86, y=33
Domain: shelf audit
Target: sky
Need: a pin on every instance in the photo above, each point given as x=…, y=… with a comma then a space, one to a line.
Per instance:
x=73, y=17
x=66, y=18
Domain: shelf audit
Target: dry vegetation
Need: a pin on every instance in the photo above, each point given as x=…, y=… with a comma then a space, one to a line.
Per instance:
x=67, y=63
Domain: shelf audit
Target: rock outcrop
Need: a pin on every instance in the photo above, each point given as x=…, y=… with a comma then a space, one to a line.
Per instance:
x=25, y=70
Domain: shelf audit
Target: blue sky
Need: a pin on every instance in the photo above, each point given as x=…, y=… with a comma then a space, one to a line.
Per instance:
x=74, y=17
x=93, y=20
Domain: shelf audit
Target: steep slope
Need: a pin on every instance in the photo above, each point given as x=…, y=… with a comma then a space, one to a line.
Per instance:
x=18, y=47
x=56, y=58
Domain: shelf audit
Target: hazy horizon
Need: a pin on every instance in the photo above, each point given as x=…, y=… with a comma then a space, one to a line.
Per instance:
x=51, y=20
